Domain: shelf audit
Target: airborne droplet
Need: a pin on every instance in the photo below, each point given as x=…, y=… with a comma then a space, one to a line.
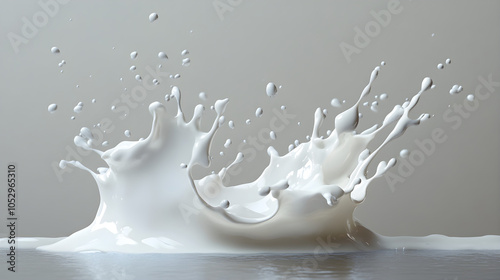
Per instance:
x=52, y=108
x=153, y=17
x=271, y=89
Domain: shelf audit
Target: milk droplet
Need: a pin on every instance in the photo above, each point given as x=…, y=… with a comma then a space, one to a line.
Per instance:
x=177, y=76
x=296, y=142
x=283, y=107
x=185, y=52
x=433, y=34
x=325, y=112
x=258, y=112
x=271, y=89
x=224, y=204
x=77, y=86
x=113, y=107
x=456, y=89
x=72, y=118
x=440, y=66
x=383, y=96
x=231, y=124
x=202, y=95
x=62, y=63
x=470, y=97
x=133, y=55
x=55, y=50
x=183, y=165
x=78, y=108
x=272, y=134
x=156, y=82
x=335, y=103
x=404, y=153
x=127, y=133
x=248, y=121
x=153, y=17
x=298, y=123
x=52, y=108
x=366, y=103
x=132, y=68
x=93, y=100
x=186, y=61
x=138, y=77
x=448, y=61
x=426, y=84
x=162, y=55
x=105, y=143
x=228, y=143
x=382, y=63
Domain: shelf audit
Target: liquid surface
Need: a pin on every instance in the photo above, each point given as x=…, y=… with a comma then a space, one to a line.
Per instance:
x=387, y=265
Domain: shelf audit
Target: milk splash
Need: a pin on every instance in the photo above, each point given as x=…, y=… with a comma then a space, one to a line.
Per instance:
x=309, y=193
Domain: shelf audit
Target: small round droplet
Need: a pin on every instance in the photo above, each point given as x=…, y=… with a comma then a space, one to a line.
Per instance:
x=138, y=77
x=231, y=124
x=272, y=135
x=183, y=165
x=283, y=107
x=55, y=50
x=132, y=68
x=228, y=143
x=470, y=97
x=259, y=112
x=440, y=66
x=93, y=100
x=153, y=17
x=248, y=121
x=133, y=55
x=448, y=61
x=105, y=143
x=456, y=89
x=52, y=108
x=72, y=118
x=202, y=95
x=271, y=89
x=127, y=133
x=78, y=108
x=382, y=63
x=156, y=82
x=186, y=61
x=383, y=96
x=224, y=204
x=177, y=76
x=404, y=153
x=335, y=103
x=162, y=55
x=185, y=52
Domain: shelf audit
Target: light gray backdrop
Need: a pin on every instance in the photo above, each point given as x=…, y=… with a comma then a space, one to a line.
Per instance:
x=236, y=47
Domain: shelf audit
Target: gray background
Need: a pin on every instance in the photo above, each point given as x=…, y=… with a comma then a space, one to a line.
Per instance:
x=292, y=43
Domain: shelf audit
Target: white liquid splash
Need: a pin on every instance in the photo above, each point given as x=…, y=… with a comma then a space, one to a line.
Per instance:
x=148, y=192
